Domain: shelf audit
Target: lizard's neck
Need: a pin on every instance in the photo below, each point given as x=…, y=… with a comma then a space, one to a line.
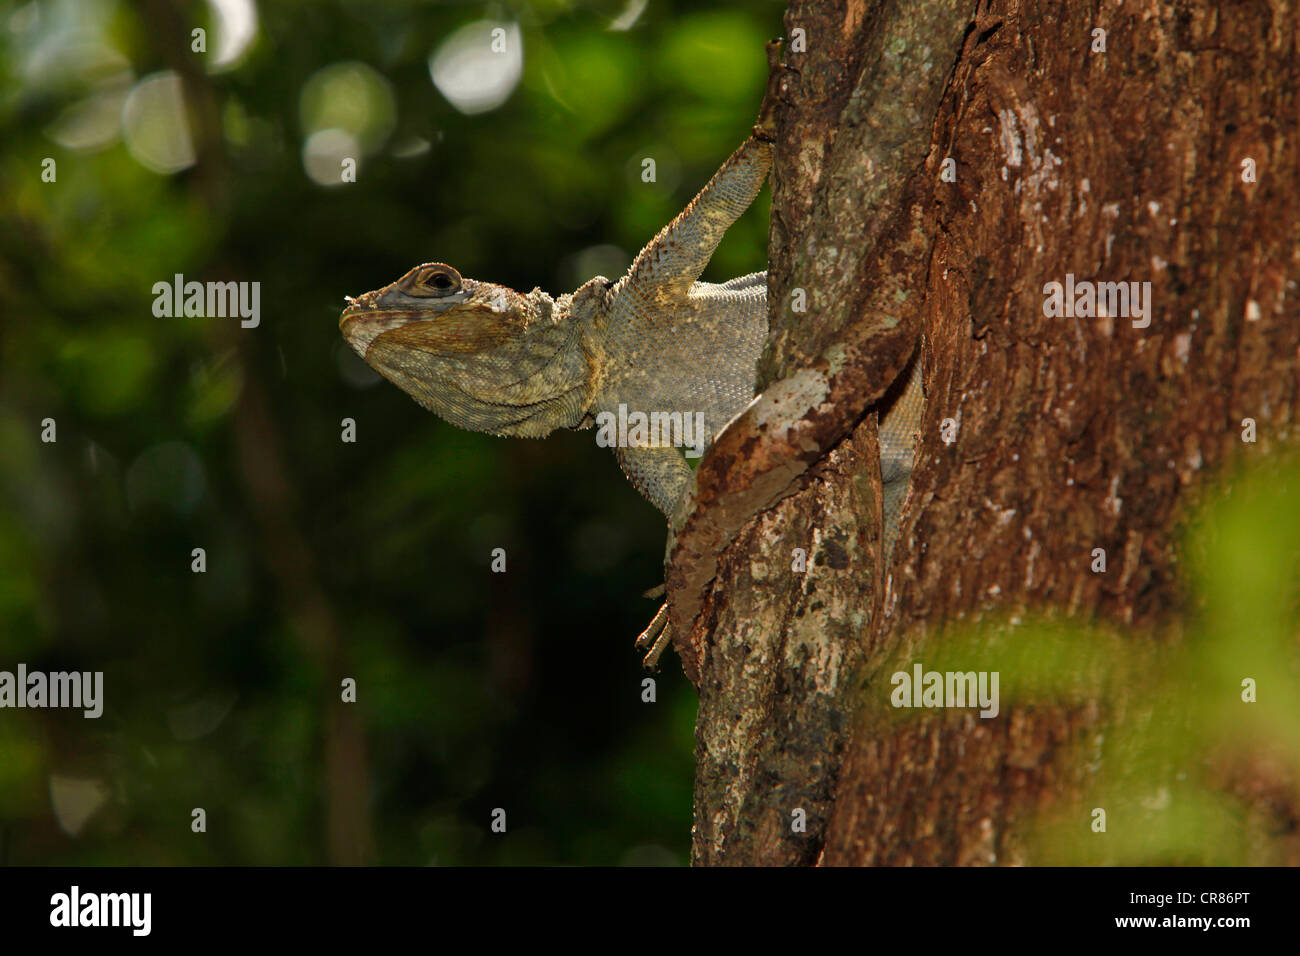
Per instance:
x=530, y=385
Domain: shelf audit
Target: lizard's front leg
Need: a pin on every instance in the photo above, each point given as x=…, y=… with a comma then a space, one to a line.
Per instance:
x=660, y=473
x=658, y=290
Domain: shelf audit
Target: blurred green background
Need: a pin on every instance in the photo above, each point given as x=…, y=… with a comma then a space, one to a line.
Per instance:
x=328, y=559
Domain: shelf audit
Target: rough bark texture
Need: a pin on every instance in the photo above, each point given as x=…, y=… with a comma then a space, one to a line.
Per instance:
x=774, y=651
x=1071, y=433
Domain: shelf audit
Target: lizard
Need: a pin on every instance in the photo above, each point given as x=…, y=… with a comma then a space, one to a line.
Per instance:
x=489, y=359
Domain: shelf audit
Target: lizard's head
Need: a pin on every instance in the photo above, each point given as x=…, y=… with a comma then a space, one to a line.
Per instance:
x=480, y=355
x=432, y=309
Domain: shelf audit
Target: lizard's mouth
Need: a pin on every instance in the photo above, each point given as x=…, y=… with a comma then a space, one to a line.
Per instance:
x=361, y=325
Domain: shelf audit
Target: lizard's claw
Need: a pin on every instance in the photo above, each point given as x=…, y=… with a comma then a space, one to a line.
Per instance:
x=765, y=128
x=657, y=636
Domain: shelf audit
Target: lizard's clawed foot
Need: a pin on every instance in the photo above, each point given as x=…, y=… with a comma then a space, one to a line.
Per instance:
x=657, y=636
x=765, y=128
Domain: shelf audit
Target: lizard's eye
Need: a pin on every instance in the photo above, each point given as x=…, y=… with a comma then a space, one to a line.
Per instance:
x=437, y=280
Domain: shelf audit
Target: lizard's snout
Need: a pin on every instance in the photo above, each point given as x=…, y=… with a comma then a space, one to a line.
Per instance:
x=361, y=322
x=356, y=330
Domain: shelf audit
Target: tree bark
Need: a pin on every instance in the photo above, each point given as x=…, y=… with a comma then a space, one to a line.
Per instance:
x=1120, y=157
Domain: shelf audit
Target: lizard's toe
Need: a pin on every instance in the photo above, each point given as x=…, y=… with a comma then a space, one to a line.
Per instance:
x=656, y=637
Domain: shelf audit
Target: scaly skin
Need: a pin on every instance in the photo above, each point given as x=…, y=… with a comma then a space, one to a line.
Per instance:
x=488, y=359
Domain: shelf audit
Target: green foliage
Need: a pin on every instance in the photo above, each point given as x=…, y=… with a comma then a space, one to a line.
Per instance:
x=1176, y=723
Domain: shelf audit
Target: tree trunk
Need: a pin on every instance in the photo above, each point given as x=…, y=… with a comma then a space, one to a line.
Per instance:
x=1162, y=150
